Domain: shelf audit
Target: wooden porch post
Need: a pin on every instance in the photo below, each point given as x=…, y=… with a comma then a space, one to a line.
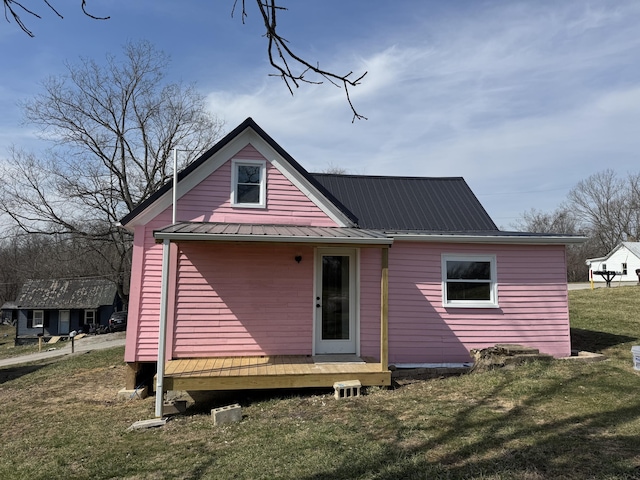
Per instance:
x=384, y=310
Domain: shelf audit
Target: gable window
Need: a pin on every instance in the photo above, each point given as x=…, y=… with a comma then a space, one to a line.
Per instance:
x=604, y=267
x=248, y=179
x=469, y=281
x=624, y=268
x=38, y=318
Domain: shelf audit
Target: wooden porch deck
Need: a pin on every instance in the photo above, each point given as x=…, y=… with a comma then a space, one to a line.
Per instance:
x=267, y=372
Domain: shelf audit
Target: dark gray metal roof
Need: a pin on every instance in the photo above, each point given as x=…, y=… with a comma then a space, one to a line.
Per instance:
x=409, y=203
x=270, y=233
x=82, y=293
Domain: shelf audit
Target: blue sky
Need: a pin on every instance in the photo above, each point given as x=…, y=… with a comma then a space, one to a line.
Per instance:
x=521, y=98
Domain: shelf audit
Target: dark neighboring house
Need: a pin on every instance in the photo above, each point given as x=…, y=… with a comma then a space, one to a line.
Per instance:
x=9, y=313
x=56, y=307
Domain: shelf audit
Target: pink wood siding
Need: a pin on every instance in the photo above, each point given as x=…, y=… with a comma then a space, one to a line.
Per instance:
x=370, y=266
x=532, y=296
x=146, y=282
x=210, y=201
x=243, y=300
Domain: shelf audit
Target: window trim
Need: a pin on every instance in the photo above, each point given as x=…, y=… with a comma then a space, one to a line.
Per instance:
x=235, y=163
x=94, y=314
x=34, y=323
x=493, y=290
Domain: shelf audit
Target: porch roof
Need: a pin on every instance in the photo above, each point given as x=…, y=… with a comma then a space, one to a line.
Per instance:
x=241, y=232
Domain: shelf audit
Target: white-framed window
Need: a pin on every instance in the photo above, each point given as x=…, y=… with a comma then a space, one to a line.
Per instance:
x=624, y=268
x=603, y=267
x=248, y=183
x=469, y=281
x=89, y=317
x=38, y=318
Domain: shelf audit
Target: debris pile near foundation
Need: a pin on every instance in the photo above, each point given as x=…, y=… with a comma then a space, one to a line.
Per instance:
x=504, y=355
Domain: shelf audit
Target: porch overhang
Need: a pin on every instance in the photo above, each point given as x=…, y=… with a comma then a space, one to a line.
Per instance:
x=240, y=232
x=376, y=373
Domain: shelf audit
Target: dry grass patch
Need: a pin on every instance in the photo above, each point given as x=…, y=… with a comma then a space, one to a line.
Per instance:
x=555, y=420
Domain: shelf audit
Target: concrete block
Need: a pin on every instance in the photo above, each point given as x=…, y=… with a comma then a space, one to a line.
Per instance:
x=228, y=414
x=174, y=407
x=136, y=394
x=347, y=389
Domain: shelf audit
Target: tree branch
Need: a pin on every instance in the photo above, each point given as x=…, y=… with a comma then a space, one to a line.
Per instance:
x=11, y=8
x=281, y=56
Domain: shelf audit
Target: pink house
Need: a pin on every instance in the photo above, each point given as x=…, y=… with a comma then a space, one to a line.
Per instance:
x=270, y=276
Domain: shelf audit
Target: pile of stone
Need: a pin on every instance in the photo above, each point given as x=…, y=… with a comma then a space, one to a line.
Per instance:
x=505, y=355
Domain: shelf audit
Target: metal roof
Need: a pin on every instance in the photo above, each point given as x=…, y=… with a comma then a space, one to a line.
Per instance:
x=633, y=247
x=84, y=293
x=270, y=233
x=409, y=203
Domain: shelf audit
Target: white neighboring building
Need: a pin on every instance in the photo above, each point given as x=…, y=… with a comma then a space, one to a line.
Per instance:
x=624, y=259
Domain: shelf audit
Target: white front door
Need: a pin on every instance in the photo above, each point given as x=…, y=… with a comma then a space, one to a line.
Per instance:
x=63, y=322
x=336, y=301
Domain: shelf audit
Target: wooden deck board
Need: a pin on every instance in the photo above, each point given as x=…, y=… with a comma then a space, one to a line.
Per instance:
x=239, y=373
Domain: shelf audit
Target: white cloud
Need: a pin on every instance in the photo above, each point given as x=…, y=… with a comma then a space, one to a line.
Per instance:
x=517, y=96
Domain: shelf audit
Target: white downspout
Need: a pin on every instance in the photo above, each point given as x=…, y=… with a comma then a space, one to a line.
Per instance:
x=162, y=333
x=175, y=184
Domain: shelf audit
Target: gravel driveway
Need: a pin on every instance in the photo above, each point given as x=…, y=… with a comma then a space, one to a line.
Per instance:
x=85, y=344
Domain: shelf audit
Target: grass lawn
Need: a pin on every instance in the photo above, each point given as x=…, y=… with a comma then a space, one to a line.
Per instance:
x=558, y=420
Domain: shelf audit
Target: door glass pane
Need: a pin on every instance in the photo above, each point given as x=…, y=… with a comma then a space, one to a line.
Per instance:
x=64, y=322
x=335, y=297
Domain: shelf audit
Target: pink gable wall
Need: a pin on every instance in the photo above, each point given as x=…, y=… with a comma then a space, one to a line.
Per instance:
x=209, y=201
x=532, y=296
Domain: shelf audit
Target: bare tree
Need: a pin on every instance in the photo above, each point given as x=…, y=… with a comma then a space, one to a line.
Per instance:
x=291, y=67
x=334, y=169
x=32, y=256
x=604, y=207
x=609, y=205
x=561, y=221
x=113, y=129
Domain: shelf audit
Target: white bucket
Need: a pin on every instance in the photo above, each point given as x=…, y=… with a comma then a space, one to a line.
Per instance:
x=635, y=351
